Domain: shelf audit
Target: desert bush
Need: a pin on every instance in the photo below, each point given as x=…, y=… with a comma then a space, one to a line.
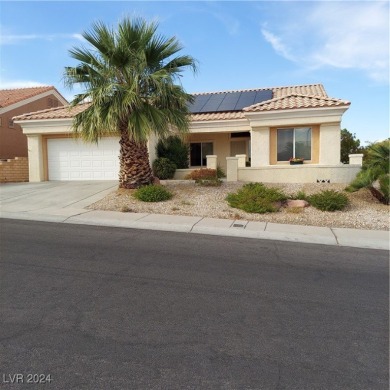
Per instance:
x=175, y=150
x=153, y=193
x=300, y=195
x=329, y=200
x=220, y=172
x=256, y=198
x=203, y=173
x=164, y=168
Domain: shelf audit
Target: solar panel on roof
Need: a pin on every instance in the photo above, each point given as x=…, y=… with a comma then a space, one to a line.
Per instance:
x=213, y=103
x=228, y=101
x=246, y=99
x=262, y=96
x=198, y=103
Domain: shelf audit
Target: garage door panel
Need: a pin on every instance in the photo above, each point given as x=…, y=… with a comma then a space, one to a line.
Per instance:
x=70, y=159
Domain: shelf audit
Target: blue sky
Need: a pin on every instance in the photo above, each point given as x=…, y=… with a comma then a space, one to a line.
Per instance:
x=238, y=44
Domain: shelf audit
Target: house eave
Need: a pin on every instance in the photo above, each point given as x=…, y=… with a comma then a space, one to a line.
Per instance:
x=224, y=125
x=296, y=116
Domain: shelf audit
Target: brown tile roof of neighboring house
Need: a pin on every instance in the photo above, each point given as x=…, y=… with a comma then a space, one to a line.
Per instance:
x=53, y=113
x=295, y=101
x=11, y=96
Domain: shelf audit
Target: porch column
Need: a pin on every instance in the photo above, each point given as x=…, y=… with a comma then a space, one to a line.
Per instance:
x=232, y=169
x=35, y=158
x=211, y=161
x=241, y=160
x=260, y=140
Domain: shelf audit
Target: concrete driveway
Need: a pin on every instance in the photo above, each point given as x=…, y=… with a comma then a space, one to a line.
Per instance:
x=56, y=198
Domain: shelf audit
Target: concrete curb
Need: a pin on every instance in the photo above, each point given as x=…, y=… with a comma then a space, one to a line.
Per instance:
x=221, y=227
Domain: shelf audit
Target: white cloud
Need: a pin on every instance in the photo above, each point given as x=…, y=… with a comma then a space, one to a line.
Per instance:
x=20, y=84
x=12, y=39
x=277, y=44
x=349, y=35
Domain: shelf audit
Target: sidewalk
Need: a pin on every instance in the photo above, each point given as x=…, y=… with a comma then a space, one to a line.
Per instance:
x=199, y=225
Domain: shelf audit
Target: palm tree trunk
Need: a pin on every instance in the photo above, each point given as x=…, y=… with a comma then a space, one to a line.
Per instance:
x=135, y=169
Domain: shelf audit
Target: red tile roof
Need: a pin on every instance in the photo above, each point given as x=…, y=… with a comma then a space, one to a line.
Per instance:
x=11, y=96
x=53, y=113
x=289, y=97
x=295, y=101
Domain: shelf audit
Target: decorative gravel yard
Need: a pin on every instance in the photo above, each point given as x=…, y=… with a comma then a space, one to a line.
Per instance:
x=363, y=211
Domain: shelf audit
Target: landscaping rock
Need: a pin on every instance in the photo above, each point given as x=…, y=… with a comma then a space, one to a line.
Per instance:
x=297, y=203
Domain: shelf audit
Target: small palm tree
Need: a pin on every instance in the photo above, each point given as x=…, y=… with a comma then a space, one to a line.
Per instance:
x=376, y=167
x=130, y=80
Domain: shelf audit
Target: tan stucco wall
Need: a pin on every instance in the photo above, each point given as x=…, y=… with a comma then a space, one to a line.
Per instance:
x=330, y=136
x=35, y=158
x=221, y=145
x=299, y=173
x=260, y=146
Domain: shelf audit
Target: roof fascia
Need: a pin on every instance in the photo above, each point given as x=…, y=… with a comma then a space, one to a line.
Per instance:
x=219, y=126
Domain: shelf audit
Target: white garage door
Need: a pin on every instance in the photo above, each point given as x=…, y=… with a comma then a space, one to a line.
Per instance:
x=70, y=159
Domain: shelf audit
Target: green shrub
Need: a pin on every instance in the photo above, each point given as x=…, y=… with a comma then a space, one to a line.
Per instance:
x=301, y=195
x=220, y=172
x=153, y=193
x=329, y=200
x=175, y=150
x=164, y=168
x=256, y=198
x=384, y=186
x=363, y=179
x=213, y=182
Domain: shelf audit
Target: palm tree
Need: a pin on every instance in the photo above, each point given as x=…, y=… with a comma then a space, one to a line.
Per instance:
x=130, y=80
x=376, y=167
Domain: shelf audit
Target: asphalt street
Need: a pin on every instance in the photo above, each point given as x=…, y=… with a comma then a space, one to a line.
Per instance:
x=86, y=307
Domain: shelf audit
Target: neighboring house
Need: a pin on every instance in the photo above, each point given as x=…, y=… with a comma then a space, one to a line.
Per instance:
x=265, y=127
x=13, y=102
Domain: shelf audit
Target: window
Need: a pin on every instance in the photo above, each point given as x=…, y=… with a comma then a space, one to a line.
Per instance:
x=10, y=123
x=1, y=121
x=294, y=142
x=198, y=153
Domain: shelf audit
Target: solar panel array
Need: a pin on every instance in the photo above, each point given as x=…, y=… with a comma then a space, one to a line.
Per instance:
x=228, y=101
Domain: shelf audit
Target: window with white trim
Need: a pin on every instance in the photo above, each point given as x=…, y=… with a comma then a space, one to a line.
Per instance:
x=294, y=142
x=198, y=153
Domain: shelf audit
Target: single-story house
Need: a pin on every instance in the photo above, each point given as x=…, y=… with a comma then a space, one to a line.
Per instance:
x=19, y=101
x=251, y=134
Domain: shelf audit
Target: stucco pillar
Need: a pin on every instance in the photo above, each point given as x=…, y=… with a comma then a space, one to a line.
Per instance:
x=35, y=158
x=330, y=136
x=241, y=160
x=260, y=140
x=232, y=169
x=211, y=161
x=356, y=159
